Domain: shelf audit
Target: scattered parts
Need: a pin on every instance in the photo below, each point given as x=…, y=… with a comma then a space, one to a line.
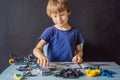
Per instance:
x=69, y=73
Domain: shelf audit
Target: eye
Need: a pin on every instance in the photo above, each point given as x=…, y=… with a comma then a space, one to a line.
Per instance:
x=62, y=14
x=55, y=16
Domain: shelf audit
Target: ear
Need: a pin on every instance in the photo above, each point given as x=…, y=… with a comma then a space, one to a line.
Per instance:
x=69, y=13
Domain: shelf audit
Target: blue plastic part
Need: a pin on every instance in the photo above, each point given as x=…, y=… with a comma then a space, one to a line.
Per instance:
x=107, y=73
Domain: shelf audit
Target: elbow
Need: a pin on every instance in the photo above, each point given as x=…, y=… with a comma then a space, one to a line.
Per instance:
x=34, y=51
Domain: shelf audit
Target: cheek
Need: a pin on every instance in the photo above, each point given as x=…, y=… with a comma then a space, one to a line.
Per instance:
x=54, y=20
x=65, y=18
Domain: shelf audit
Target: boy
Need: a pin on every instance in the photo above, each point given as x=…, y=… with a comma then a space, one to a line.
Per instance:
x=64, y=41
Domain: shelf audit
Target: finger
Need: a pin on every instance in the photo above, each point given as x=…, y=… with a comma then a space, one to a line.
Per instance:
x=74, y=59
x=38, y=61
x=47, y=62
x=44, y=62
x=78, y=59
x=41, y=62
x=81, y=60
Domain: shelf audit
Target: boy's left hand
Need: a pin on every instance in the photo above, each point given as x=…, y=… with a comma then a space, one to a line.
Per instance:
x=77, y=59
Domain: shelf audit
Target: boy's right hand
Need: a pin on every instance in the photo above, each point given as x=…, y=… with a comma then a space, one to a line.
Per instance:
x=43, y=60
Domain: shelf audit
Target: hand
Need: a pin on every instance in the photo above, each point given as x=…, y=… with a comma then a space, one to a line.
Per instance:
x=77, y=59
x=43, y=60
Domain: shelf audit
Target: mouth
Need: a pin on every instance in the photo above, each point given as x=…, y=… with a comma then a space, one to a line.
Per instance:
x=60, y=22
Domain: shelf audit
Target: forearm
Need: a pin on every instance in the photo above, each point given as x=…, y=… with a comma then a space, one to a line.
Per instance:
x=79, y=53
x=37, y=52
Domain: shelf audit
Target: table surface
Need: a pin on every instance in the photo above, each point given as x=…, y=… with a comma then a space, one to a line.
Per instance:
x=8, y=73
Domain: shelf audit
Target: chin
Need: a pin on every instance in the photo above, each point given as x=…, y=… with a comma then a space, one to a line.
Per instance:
x=60, y=25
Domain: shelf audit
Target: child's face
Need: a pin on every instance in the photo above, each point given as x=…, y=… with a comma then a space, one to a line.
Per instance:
x=60, y=19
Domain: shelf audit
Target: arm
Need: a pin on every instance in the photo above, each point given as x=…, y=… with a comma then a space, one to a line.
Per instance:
x=79, y=54
x=37, y=51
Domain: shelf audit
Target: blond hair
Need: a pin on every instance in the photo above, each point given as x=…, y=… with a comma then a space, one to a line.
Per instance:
x=55, y=6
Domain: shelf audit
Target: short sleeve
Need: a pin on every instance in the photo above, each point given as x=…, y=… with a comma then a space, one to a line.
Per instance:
x=46, y=35
x=79, y=38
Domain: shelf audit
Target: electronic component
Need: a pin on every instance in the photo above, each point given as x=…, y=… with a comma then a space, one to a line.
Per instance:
x=69, y=73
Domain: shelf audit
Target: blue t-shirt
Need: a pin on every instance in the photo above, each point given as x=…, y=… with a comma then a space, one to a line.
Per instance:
x=62, y=44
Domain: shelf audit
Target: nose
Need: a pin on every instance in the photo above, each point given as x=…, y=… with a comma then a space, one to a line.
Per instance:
x=59, y=18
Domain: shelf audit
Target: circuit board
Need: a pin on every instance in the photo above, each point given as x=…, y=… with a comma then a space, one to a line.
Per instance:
x=65, y=65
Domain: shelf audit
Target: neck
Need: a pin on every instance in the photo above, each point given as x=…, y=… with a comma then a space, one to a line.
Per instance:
x=66, y=27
